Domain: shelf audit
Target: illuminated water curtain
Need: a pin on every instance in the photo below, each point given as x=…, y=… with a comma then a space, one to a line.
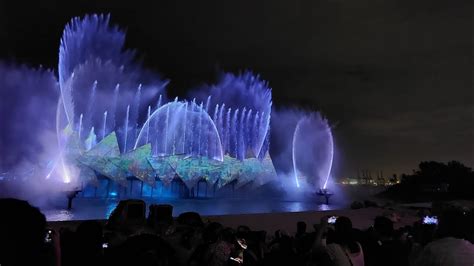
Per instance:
x=114, y=120
x=312, y=151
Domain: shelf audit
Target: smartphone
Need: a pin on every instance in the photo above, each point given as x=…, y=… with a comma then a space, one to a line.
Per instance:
x=238, y=260
x=430, y=220
x=242, y=244
x=49, y=236
x=332, y=220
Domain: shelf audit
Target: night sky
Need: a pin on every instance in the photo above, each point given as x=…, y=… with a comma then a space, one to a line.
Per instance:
x=395, y=78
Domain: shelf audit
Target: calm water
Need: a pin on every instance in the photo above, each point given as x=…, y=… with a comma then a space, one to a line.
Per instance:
x=84, y=209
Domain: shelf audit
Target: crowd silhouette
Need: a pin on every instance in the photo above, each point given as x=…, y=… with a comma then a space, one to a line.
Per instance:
x=129, y=237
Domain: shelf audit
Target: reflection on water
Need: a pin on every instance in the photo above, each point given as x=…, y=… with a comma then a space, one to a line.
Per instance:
x=325, y=207
x=84, y=209
x=59, y=215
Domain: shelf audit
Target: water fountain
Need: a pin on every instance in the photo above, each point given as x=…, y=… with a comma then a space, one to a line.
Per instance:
x=119, y=123
x=312, y=151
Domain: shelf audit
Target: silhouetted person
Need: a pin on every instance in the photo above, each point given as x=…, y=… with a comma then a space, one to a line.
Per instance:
x=344, y=250
x=22, y=234
x=143, y=250
x=302, y=241
x=451, y=247
x=70, y=196
x=282, y=252
x=300, y=229
x=210, y=235
x=219, y=252
x=89, y=243
x=190, y=219
x=382, y=248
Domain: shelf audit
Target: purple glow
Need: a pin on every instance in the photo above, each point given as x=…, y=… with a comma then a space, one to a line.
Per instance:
x=313, y=150
x=181, y=128
x=293, y=154
x=103, y=92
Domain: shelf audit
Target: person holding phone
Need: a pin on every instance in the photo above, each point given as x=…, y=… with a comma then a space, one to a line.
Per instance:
x=332, y=220
x=452, y=246
x=381, y=247
x=430, y=220
x=345, y=250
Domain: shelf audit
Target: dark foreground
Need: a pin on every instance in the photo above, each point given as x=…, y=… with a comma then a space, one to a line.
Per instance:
x=130, y=237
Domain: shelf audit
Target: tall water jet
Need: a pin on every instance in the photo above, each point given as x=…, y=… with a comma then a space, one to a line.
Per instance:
x=208, y=102
x=331, y=156
x=113, y=110
x=125, y=138
x=91, y=105
x=157, y=137
x=248, y=129
x=104, y=126
x=91, y=139
x=216, y=120
x=220, y=124
x=148, y=126
x=192, y=126
x=167, y=122
x=199, y=127
x=227, y=131
x=185, y=125
x=155, y=143
x=205, y=130
x=158, y=104
x=61, y=140
x=135, y=110
x=172, y=133
x=293, y=153
x=80, y=126
x=261, y=135
x=265, y=147
x=255, y=133
x=234, y=133
x=241, y=145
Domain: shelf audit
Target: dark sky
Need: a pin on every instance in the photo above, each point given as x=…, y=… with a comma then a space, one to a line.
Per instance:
x=396, y=77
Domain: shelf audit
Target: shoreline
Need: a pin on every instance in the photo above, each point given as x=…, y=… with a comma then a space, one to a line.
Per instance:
x=361, y=218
